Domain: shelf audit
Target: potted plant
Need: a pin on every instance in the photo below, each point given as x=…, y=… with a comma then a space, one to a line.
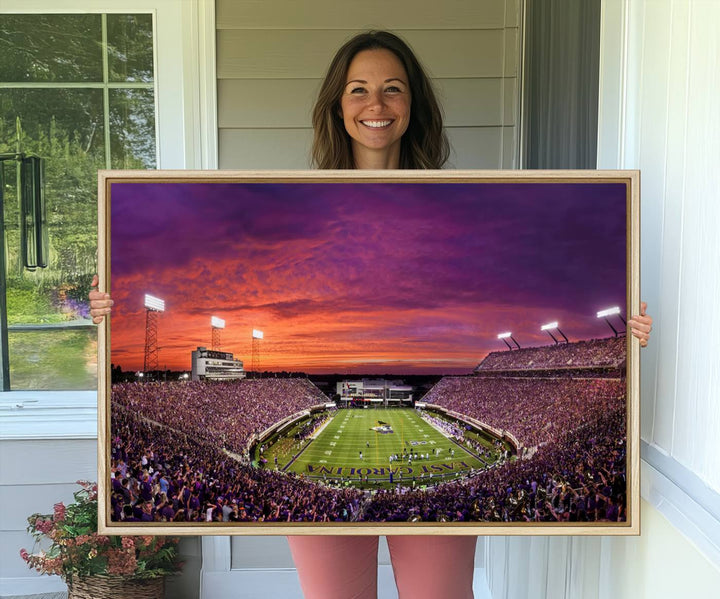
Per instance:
x=97, y=566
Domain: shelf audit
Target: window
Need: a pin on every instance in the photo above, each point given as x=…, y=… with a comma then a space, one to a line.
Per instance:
x=78, y=90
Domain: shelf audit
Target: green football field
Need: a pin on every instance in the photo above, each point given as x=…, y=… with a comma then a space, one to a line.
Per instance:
x=348, y=448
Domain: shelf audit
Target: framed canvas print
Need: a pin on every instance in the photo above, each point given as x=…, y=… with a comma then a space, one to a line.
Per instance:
x=369, y=352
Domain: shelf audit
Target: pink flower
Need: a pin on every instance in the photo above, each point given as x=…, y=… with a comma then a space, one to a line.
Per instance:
x=121, y=562
x=59, y=509
x=24, y=555
x=44, y=526
x=128, y=543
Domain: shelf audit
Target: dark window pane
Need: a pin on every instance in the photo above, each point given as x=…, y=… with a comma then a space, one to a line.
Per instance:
x=49, y=117
x=57, y=359
x=132, y=128
x=64, y=127
x=61, y=48
x=130, y=47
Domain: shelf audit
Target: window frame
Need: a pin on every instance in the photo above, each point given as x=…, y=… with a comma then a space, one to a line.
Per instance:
x=186, y=138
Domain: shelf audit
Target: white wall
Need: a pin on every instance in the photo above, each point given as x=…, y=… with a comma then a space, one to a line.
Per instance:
x=659, y=90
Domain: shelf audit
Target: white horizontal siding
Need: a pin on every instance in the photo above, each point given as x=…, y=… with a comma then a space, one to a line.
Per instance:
x=252, y=54
x=271, y=58
x=396, y=15
x=34, y=475
x=288, y=103
x=471, y=148
x=265, y=148
x=40, y=462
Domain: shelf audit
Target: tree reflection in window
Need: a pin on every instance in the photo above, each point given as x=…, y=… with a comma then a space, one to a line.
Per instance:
x=78, y=90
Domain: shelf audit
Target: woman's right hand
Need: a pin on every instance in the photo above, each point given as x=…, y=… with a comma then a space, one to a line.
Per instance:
x=100, y=303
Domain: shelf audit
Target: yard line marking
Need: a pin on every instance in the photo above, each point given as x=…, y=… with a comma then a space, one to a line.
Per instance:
x=328, y=453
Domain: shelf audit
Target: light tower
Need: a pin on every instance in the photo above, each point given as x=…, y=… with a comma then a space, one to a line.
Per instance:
x=153, y=307
x=610, y=312
x=217, y=325
x=505, y=337
x=257, y=336
x=549, y=327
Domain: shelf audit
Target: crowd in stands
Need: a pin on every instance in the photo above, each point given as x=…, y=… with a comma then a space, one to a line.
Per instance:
x=174, y=449
x=162, y=475
x=579, y=477
x=226, y=413
x=595, y=353
x=534, y=410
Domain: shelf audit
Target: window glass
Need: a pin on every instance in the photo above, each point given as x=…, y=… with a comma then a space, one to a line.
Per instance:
x=54, y=359
x=37, y=48
x=132, y=128
x=130, y=47
x=62, y=116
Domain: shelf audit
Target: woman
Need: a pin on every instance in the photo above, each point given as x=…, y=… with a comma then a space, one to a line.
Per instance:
x=377, y=110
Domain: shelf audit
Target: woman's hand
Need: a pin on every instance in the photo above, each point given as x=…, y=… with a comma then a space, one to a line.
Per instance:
x=100, y=303
x=640, y=325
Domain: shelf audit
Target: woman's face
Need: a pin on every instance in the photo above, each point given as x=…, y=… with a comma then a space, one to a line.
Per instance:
x=375, y=104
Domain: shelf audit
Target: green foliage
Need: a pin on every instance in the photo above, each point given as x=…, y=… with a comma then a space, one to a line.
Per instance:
x=26, y=303
x=64, y=359
x=66, y=127
x=77, y=550
x=71, y=197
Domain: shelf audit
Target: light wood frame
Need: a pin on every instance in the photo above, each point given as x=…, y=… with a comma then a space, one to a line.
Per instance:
x=631, y=179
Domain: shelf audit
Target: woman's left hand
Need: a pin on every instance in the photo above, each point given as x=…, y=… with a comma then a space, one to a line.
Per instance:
x=641, y=324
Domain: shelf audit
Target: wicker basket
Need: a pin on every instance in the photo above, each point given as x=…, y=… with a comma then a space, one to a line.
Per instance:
x=116, y=587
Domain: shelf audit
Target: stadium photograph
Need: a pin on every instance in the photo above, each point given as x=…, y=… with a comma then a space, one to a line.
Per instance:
x=335, y=353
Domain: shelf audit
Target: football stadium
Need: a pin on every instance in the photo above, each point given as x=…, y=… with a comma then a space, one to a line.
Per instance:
x=534, y=434
x=371, y=388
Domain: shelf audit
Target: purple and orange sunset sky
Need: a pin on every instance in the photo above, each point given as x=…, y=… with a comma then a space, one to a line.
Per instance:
x=363, y=277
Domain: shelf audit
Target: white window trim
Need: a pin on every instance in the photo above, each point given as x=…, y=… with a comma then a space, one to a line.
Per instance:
x=48, y=415
x=186, y=128
x=689, y=504
x=679, y=494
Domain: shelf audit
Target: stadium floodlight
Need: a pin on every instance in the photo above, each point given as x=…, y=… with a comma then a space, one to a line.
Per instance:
x=255, y=352
x=154, y=303
x=554, y=326
x=615, y=310
x=217, y=325
x=505, y=336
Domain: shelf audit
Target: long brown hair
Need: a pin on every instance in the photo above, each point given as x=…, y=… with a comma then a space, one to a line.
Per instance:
x=424, y=144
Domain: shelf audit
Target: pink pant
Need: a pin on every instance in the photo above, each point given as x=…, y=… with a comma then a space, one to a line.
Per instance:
x=345, y=567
